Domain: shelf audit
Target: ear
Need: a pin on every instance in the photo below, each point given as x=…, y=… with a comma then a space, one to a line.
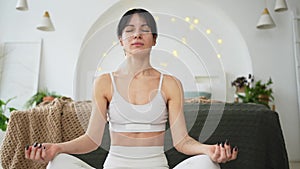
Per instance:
x=121, y=41
x=154, y=40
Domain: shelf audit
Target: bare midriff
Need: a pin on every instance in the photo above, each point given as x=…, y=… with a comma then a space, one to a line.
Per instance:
x=137, y=138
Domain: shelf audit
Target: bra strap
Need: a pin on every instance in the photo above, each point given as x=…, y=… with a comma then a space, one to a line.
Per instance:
x=160, y=81
x=112, y=80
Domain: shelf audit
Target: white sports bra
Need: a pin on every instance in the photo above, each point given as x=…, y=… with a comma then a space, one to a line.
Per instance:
x=127, y=117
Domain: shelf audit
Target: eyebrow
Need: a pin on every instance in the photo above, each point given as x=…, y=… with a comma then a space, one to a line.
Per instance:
x=133, y=25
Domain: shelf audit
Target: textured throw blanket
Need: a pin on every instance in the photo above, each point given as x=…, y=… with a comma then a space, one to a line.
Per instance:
x=54, y=122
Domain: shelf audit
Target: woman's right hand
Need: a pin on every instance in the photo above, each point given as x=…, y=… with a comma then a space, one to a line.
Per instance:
x=42, y=153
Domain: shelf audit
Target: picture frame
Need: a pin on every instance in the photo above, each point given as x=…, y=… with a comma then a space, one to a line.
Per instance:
x=19, y=71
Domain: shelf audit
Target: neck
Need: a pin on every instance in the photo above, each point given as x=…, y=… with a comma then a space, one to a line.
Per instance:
x=134, y=65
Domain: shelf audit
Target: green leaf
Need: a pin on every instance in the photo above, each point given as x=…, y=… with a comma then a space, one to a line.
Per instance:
x=38, y=97
x=3, y=108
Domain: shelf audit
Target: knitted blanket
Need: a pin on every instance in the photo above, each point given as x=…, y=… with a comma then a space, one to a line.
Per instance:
x=54, y=122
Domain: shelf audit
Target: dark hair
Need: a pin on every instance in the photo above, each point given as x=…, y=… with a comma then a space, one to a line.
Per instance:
x=141, y=12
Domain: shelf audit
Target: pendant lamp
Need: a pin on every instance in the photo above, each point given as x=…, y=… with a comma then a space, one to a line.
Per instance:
x=265, y=21
x=46, y=23
x=280, y=5
x=22, y=5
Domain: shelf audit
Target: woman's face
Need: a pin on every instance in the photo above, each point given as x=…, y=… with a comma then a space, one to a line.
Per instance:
x=137, y=37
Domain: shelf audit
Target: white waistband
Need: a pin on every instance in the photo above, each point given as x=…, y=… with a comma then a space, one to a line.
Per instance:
x=147, y=157
x=136, y=152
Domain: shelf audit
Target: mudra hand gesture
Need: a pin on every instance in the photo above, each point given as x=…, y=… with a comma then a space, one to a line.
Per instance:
x=42, y=153
x=222, y=152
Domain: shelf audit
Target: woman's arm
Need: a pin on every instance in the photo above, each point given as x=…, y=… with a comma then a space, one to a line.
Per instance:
x=181, y=140
x=90, y=140
x=93, y=136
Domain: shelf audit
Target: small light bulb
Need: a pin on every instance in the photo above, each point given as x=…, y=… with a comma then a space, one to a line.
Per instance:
x=196, y=21
x=175, y=53
x=164, y=64
x=192, y=27
x=183, y=40
x=187, y=19
x=220, y=41
x=208, y=31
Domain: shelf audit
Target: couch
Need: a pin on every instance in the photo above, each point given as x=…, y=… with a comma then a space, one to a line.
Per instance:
x=253, y=128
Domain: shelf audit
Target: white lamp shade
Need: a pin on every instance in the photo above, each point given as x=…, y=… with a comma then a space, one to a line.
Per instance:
x=265, y=21
x=280, y=5
x=22, y=5
x=46, y=23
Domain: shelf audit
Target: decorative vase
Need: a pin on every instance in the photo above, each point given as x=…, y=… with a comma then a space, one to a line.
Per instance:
x=48, y=98
x=263, y=98
x=240, y=89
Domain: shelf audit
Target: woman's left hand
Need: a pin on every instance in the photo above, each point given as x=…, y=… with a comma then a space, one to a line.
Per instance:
x=223, y=152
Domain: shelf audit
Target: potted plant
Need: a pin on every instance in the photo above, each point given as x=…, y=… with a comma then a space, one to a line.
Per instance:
x=41, y=96
x=260, y=93
x=241, y=82
x=3, y=109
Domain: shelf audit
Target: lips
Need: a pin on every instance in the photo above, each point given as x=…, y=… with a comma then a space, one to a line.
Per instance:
x=137, y=44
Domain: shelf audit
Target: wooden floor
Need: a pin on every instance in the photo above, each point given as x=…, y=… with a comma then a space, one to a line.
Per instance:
x=294, y=165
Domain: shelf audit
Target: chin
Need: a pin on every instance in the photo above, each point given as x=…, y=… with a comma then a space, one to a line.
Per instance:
x=140, y=52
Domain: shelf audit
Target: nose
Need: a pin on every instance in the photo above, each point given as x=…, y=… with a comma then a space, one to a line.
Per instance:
x=137, y=35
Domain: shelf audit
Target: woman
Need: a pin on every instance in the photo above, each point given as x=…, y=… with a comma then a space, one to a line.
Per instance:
x=137, y=100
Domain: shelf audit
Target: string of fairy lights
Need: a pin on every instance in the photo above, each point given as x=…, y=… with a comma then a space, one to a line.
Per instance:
x=193, y=24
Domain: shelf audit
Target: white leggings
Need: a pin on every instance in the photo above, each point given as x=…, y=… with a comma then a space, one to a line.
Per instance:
x=139, y=157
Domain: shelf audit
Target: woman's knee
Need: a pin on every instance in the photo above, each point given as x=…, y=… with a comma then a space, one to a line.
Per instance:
x=67, y=161
x=59, y=160
x=199, y=162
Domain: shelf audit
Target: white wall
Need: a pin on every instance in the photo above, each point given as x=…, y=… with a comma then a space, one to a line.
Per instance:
x=72, y=19
x=271, y=51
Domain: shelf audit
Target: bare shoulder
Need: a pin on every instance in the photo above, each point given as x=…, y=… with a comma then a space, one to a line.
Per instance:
x=171, y=81
x=171, y=86
x=102, y=79
x=102, y=84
